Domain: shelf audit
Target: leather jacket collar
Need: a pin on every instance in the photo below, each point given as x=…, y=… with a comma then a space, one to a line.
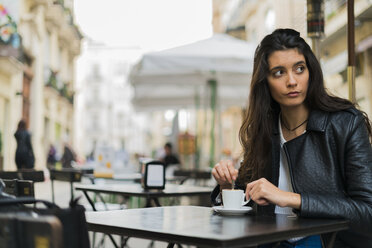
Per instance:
x=317, y=121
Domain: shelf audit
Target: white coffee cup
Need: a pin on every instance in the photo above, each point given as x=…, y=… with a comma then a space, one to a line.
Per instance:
x=233, y=198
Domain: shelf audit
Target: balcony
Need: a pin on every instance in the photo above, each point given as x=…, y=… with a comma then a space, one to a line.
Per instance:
x=336, y=20
x=60, y=87
x=333, y=6
x=39, y=2
x=66, y=93
x=7, y=50
x=57, y=15
x=60, y=2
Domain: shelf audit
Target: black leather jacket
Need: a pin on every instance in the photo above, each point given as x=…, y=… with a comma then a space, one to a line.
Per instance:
x=331, y=167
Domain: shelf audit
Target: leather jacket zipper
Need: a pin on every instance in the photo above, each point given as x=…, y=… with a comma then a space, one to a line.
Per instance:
x=290, y=169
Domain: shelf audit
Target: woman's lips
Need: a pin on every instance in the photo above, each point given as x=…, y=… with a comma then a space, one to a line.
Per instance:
x=293, y=94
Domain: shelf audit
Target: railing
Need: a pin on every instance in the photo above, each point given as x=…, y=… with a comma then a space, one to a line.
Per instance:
x=62, y=88
x=60, y=2
x=64, y=92
x=67, y=11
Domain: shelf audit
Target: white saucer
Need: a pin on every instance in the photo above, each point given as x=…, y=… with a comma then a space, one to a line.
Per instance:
x=227, y=211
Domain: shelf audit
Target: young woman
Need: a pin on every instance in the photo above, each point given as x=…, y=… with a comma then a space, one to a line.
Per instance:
x=305, y=151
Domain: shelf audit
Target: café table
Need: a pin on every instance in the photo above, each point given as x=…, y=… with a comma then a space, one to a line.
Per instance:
x=202, y=227
x=152, y=196
x=125, y=177
x=128, y=177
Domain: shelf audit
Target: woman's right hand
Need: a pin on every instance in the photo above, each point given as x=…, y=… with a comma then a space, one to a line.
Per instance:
x=224, y=173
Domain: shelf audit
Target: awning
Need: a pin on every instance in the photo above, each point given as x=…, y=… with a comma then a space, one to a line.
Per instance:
x=175, y=78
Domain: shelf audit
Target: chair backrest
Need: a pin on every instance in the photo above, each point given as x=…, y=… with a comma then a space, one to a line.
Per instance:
x=194, y=174
x=67, y=175
x=19, y=230
x=19, y=187
x=197, y=177
x=32, y=175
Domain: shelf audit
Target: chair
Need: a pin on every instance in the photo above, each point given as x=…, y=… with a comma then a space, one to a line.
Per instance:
x=18, y=230
x=67, y=175
x=19, y=188
x=32, y=175
x=24, y=224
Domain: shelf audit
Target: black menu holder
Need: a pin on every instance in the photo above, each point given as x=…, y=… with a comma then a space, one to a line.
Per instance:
x=153, y=175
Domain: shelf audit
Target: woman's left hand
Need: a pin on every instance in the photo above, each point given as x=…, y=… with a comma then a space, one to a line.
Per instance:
x=263, y=192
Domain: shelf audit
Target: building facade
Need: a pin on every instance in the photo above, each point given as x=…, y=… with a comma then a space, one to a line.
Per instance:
x=251, y=20
x=334, y=54
x=49, y=44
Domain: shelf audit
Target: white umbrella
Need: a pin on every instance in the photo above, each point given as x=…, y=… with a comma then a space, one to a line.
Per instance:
x=174, y=78
x=216, y=71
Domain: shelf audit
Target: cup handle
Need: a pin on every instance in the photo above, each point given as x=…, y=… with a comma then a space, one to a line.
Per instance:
x=245, y=202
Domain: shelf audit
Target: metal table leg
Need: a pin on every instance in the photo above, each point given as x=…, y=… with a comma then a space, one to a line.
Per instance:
x=113, y=241
x=72, y=191
x=89, y=200
x=52, y=181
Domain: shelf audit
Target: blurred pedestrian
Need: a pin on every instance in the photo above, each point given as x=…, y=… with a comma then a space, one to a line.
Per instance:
x=67, y=157
x=51, y=158
x=169, y=158
x=24, y=156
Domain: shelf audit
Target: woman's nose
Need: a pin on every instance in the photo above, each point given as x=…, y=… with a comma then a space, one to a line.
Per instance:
x=291, y=80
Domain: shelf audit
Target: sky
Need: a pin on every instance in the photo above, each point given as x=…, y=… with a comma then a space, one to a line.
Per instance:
x=149, y=25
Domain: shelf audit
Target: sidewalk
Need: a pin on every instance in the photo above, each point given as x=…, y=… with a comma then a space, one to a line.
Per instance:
x=62, y=196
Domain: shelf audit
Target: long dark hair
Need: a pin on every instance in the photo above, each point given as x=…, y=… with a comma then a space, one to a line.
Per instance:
x=22, y=125
x=255, y=132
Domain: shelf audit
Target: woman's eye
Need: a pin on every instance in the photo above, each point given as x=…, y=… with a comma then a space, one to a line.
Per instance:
x=277, y=73
x=300, y=69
